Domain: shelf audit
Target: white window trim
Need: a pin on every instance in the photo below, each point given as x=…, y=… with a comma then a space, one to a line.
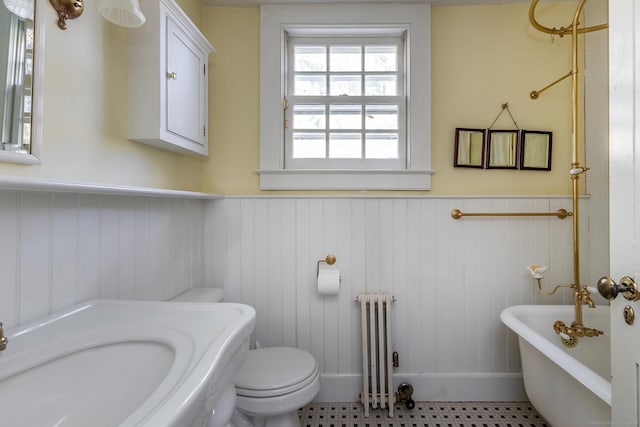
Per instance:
x=274, y=22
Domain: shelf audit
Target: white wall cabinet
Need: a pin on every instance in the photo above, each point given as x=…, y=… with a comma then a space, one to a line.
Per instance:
x=168, y=74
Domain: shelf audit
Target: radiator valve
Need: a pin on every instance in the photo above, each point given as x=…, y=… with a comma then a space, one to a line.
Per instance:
x=405, y=390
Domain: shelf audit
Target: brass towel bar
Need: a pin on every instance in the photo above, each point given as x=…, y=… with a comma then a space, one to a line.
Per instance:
x=560, y=213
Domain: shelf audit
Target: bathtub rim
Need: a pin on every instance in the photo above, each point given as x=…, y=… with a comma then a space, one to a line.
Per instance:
x=579, y=371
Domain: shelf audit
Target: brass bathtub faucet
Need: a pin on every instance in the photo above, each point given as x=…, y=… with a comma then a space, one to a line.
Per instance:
x=574, y=332
x=3, y=339
x=583, y=296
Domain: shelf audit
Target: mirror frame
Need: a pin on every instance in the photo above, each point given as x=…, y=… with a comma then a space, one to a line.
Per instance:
x=37, y=98
x=456, y=163
x=523, y=150
x=515, y=156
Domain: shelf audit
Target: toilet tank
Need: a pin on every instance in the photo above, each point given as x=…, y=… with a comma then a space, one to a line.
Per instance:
x=200, y=295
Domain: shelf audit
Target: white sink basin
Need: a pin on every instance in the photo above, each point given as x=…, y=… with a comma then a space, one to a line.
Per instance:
x=123, y=363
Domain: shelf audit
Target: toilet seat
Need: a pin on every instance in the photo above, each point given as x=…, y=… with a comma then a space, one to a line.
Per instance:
x=275, y=382
x=275, y=371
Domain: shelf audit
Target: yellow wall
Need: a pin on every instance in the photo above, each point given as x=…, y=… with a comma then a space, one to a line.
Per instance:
x=234, y=100
x=85, y=112
x=482, y=56
x=193, y=9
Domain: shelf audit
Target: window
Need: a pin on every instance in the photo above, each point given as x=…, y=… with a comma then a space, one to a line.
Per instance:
x=344, y=103
x=15, y=110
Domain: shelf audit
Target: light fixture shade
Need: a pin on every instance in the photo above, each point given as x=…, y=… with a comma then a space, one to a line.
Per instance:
x=22, y=8
x=125, y=13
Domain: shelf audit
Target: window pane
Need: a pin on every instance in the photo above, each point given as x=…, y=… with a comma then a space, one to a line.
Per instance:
x=381, y=116
x=345, y=58
x=345, y=146
x=345, y=85
x=381, y=146
x=309, y=116
x=380, y=58
x=26, y=134
x=346, y=103
x=309, y=145
x=27, y=104
x=310, y=85
x=29, y=39
x=310, y=58
x=345, y=116
x=380, y=85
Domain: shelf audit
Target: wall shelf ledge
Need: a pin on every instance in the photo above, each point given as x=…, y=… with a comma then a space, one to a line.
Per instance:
x=35, y=184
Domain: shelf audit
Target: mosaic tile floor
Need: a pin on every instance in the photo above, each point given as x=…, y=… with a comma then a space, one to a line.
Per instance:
x=425, y=414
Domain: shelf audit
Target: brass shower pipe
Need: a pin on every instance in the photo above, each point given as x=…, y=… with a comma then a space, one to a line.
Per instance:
x=580, y=294
x=562, y=30
x=536, y=93
x=572, y=29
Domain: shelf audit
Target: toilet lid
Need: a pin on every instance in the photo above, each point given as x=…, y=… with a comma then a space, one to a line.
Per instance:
x=271, y=370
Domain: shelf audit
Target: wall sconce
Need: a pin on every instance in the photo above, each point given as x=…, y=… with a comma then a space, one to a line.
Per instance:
x=125, y=13
x=67, y=9
x=21, y=8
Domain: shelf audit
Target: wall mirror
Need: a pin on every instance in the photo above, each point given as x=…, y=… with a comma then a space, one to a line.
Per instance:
x=21, y=76
x=536, y=150
x=502, y=149
x=469, y=148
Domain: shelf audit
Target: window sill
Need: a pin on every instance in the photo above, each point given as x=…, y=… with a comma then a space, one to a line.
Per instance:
x=292, y=179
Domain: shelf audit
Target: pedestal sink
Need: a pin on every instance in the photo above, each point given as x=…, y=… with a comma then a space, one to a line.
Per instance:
x=124, y=363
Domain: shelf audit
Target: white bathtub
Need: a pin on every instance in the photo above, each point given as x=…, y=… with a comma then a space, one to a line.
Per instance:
x=570, y=387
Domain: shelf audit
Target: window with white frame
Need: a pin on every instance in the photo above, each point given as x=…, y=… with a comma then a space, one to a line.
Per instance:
x=345, y=102
x=353, y=98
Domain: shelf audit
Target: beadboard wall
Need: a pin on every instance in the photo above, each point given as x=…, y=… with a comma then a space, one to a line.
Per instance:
x=58, y=249
x=451, y=280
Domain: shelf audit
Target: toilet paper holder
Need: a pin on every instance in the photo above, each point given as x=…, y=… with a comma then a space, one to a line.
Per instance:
x=329, y=259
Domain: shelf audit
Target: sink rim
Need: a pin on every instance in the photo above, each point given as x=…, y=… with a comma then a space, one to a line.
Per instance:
x=30, y=358
x=194, y=365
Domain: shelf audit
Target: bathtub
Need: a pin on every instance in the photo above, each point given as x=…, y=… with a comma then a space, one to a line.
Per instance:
x=570, y=387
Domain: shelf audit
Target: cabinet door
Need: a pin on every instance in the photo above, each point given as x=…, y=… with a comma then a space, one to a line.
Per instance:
x=186, y=86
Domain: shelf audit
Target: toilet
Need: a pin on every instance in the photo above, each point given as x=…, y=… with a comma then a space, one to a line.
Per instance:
x=273, y=382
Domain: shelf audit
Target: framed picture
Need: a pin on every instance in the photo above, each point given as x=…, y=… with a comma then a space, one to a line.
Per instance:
x=502, y=149
x=469, y=151
x=536, y=150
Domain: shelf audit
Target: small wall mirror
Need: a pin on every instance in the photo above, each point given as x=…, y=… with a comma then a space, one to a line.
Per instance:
x=20, y=82
x=470, y=148
x=502, y=149
x=536, y=150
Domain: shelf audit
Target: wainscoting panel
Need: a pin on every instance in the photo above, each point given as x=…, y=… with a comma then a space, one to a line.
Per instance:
x=58, y=249
x=451, y=280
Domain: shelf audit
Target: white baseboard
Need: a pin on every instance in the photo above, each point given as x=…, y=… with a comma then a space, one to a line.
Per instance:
x=432, y=387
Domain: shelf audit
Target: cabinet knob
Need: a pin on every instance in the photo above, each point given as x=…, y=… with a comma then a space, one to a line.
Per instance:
x=172, y=76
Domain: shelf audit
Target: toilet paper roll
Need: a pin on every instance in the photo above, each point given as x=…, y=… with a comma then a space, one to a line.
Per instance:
x=328, y=282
